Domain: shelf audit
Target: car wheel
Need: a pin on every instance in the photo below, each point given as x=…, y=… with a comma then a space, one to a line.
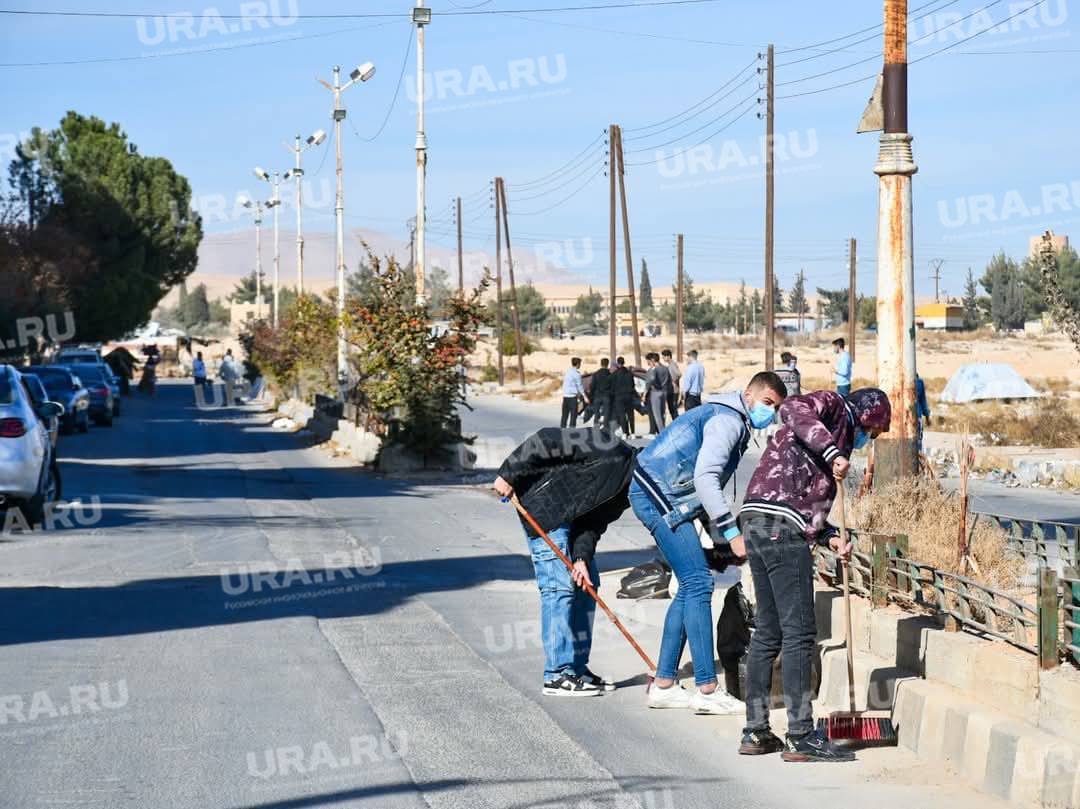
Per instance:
x=84, y=425
x=48, y=492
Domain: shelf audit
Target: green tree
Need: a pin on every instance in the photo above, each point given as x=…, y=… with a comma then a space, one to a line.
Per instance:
x=1002, y=281
x=219, y=312
x=645, y=301
x=835, y=304
x=246, y=288
x=756, y=309
x=587, y=309
x=699, y=311
x=797, y=302
x=778, y=297
x=194, y=309
x=867, y=311
x=972, y=316
x=532, y=310
x=1068, y=275
x=131, y=212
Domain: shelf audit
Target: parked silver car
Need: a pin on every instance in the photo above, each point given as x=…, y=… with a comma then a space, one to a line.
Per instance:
x=29, y=476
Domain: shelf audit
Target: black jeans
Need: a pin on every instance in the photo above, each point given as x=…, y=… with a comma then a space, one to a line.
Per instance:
x=691, y=400
x=569, y=411
x=783, y=571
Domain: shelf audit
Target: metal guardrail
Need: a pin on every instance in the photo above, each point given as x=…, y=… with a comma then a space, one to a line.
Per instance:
x=1070, y=614
x=1044, y=541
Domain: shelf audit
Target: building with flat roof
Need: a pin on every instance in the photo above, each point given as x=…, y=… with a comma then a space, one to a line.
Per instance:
x=943, y=316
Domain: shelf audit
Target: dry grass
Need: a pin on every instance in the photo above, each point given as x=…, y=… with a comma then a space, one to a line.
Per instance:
x=538, y=386
x=931, y=519
x=1053, y=423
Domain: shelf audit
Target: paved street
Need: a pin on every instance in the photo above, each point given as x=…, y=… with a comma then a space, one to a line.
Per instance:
x=244, y=622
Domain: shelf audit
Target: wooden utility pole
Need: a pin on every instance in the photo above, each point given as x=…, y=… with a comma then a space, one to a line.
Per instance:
x=460, y=259
x=852, y=299
x=770, y=295
x=626, y=247
x=500, y=189
x=611, y=241
x=498, y=285
x=679, y=297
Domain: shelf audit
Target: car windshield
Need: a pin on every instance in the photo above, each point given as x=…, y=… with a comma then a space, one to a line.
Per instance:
x=53, y=378
x=88, y=373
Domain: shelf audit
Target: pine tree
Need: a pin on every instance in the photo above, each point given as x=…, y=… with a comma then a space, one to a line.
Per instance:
x=645, y=302
x=797, y=296
x=972, y=318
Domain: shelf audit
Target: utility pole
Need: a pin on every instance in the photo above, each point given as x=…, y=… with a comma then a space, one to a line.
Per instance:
x=896, y=452
x=852, y=299
x=421, y=16
x=626, y=247
x=258, y=208
x=770, y=281
x=498, y=284
x=298, y=173
x=500, y=189
x=460, y=259
x=276, y=205
x=611, y=241
x=936, y=275
x=679, y=296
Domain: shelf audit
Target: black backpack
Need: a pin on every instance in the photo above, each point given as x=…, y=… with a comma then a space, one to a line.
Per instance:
x=649, y=580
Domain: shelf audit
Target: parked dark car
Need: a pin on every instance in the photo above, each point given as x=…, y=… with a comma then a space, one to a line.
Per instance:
x=101, y=397
x=39, y=396
x=114, y=385
x=67, y=389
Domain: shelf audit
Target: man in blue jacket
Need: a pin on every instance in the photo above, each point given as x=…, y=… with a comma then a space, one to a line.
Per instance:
x=678, y=479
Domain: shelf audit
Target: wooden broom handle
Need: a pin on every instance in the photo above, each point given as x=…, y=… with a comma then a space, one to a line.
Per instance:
x=847, y=597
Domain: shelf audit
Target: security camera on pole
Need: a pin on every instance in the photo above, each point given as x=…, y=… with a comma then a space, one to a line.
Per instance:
x=275, y=203
x=297, y=173
x=258, y=206
x=359, y=74
x=421, y=15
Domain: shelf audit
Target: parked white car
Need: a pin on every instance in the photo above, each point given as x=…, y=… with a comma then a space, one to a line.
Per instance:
x=78, y=354
x=29, y=477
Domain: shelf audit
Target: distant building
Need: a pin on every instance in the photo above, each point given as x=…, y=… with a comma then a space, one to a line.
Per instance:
x=1035, y=244
x=791, y=323
x=944, y=316
x=242, y=315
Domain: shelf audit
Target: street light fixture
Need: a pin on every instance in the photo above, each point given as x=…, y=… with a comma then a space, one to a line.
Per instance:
x=297, y=173
x=421, y=15
x=359, y=74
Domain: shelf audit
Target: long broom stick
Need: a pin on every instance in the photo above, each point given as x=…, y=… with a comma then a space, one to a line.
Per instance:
x=587, y=586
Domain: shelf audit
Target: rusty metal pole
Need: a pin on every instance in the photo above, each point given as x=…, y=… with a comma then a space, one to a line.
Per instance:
x=611, y=241
x=498, y=283
x=626, y=247
x=500, y=189
x=679, y=298
x=896, y=452
x=770, y=295
x=852, y=304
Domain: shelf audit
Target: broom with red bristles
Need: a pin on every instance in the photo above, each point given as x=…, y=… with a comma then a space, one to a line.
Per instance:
x=867, y=727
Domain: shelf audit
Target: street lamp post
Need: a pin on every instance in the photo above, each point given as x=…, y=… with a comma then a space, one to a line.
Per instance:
x=275, y=203
x=421, y=15
x=258, y=206
x=359, y=74
x=297, y=173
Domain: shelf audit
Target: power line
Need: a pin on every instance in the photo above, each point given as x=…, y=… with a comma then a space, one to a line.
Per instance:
x=725, y=113
x=584, y=169
x=852, y=34
x=363, y=15
x=545, y=177
x=704, y=140
x=397, y=92
x=564, y=200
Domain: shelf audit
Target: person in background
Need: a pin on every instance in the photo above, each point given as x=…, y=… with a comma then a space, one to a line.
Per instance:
x=657, y=385
x=790, y=374
x=922, y=408
x=574, y=483
x=624, y=394
x=692, y=382
x=572, y=388
x=709, y=440
x=843, y=367
x=676, y=375
x=198, y=371
x=229, y=373
x=600, y=390
x=783, y=514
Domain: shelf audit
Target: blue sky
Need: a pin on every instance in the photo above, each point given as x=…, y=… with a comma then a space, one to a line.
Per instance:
x=993, y=119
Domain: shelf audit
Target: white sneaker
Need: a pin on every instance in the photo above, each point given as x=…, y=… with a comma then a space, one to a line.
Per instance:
x=718, y=703
x=673, y=697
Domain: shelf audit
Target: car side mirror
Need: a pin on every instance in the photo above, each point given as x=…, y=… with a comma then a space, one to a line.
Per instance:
x=50, y=410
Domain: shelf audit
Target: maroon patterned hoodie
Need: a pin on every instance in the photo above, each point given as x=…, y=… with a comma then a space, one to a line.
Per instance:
x=794, y=477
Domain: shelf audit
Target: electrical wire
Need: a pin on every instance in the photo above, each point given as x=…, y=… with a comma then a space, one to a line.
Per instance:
x=704, y=140
x=584, y=169
x=852, y=34
x=397, y=92
x=365, y=15
x=725, y=113
x=720, y=89
x=563, y=200
x=545, y=177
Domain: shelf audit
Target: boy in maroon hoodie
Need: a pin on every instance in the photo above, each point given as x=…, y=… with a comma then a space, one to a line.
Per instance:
x=787, y=503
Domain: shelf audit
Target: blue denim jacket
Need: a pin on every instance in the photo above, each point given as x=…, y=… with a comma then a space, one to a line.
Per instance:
x=687, y=465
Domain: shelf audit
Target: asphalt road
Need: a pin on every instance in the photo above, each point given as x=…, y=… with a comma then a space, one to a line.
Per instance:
x=238, y=620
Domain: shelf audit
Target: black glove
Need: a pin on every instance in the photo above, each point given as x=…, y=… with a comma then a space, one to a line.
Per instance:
x=719, y=557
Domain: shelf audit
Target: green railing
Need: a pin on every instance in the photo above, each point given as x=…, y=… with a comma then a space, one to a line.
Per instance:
x=1040, y=540
x=887, y=573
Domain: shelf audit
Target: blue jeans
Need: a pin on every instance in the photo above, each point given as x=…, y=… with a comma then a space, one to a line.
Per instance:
x=689, y=617
x=844, y=390
x=566, y=611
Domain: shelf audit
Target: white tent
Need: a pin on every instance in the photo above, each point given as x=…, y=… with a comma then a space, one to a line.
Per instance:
x=987, y=380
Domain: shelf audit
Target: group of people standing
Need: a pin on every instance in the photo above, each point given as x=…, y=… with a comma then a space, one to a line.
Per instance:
x=576, y=482
x=612, y=397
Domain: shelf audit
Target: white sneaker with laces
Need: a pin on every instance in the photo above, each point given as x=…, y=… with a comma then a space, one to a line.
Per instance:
x=718, y=703
x=673, y=697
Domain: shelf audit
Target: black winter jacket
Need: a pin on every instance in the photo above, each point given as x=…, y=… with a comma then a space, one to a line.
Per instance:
x=577, y=477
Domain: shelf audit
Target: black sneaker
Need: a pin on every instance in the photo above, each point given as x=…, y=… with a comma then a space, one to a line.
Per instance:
x=814, y=746
x=759, y=743
x=595, y=680
x=570, y=685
